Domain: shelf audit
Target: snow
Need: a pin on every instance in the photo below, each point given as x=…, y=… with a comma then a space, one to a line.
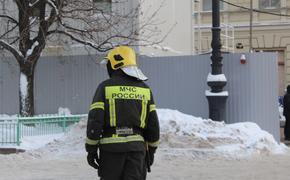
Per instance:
x=53, y=6
x=216, y=78
x=64, y=111
x=4, y=117
x=222, y=93
x=36, y=142
x=165, y=48
x=210, y=138
x=32, y=20
x=181, y=134
x=32, y=4
x=281, y=116
x=23, y=89
x=29, y=51
x=12, y=47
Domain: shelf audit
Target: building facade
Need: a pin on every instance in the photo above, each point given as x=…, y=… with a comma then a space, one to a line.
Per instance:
x=267, y=29
x=173, y=34
x=174, y=21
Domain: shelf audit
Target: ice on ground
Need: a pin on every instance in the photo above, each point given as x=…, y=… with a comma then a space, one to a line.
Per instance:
x=182, y=134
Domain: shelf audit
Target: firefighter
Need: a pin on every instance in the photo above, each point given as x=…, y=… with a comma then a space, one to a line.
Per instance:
x=286, y=113
x=122, y=122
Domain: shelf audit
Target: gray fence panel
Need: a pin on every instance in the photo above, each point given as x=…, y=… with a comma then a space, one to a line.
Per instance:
x=177, y=83
x=9, y=86
x=68, y=82
x=180, y=83
x=253, y=90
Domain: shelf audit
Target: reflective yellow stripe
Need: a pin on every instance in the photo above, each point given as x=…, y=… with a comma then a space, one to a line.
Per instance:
x=112, y=109
x=143, y=113
x=152, y=107
x=153, y=144
x=127, y=92
x=111, y=140
x=96, y=105
x=92, y=142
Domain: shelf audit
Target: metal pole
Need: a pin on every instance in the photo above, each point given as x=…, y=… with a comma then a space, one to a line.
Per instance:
x=216, y=41
x=199, y=30
x=216, y=80
x=251, y=27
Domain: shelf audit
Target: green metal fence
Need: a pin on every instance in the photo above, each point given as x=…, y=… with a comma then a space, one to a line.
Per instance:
x=12, y=130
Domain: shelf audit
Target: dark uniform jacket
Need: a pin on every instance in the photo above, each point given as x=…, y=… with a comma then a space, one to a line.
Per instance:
x=286, y=103
x=123, y=115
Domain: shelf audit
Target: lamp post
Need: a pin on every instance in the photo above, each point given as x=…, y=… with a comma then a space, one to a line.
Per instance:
x=216, y=80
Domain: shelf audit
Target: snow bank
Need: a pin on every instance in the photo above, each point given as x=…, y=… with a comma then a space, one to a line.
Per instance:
x=183, y=134
x=201, y=137
x=71, y=144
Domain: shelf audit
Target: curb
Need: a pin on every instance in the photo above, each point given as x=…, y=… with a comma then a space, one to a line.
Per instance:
x=11, y=151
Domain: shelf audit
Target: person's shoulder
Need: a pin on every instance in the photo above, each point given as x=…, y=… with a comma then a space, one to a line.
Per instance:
x=144, y=84
x=286, y=98
x=104, y=83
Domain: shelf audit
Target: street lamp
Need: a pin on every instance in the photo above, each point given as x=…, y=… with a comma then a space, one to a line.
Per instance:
x=216, y=80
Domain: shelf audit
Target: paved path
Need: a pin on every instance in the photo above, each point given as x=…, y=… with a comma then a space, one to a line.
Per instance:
x=15, y=167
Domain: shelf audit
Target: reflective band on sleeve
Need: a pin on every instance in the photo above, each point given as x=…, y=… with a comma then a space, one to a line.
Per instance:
x=112, y=140
x=143, y=113
x=97, y=105
x=92, y=142
x=153, y=144
x=152, y=107
x=112, y=109
x=127, y=92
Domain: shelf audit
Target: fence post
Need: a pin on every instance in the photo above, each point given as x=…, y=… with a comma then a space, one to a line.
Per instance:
x=64, y=123
x=18, y=132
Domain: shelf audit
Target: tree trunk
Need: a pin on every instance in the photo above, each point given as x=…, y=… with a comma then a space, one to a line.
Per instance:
x=26, y=90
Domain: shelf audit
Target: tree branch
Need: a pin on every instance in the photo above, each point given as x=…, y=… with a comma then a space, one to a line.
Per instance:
x=97, y=47
x=7, y=32
x=10, y=18
x=17, y=54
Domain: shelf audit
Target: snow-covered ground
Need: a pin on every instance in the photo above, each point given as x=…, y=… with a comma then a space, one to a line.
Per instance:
x=181, y=134
x=191, y=148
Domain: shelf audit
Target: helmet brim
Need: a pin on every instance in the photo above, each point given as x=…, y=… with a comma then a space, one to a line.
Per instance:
x=134, y=71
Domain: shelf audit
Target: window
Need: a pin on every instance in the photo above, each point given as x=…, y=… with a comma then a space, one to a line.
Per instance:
x=269, y=4
x=206, y=5
x=103, y=5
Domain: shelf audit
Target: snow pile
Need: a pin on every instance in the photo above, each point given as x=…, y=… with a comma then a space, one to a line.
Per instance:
x=36, y=142
x=71, y=144
x=202, y=137
x=183, y=134
x=64, y=111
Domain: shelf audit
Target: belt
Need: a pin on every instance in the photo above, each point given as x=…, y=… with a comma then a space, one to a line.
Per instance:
x=122, y=131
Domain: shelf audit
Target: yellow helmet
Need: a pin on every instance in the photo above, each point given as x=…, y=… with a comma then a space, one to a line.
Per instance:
x=124, y=57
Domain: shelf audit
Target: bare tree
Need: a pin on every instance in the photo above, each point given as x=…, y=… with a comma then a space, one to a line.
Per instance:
x=27, y=26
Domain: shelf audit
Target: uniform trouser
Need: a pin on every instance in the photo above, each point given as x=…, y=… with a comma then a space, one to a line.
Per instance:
x=287, y=128
x=122, y=165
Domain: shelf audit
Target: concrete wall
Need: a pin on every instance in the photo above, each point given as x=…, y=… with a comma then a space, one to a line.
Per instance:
x=178, y=82
x=174, y=21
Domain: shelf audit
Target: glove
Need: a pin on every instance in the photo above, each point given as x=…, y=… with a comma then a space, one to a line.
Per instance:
x=93, y=156
x=152, y=151
x=93, y=160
